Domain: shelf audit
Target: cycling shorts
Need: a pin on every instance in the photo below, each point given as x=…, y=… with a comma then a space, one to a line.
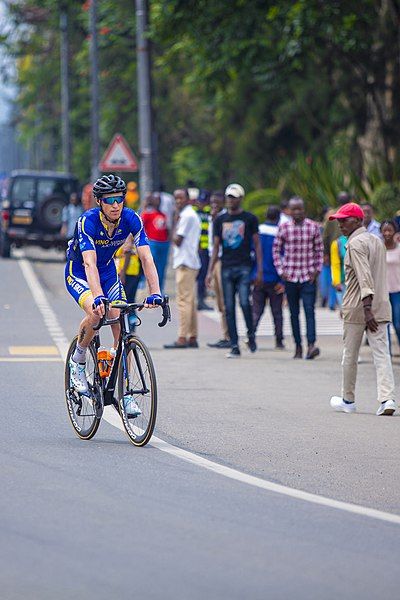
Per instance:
x=78, y=287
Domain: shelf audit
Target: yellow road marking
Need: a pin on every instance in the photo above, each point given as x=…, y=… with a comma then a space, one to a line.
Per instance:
x=33, y=350
x=30, y=359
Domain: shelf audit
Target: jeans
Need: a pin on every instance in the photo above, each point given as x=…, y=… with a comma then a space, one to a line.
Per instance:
x=306, y=292
x=260, y=297
x=236, y=280
x=159, y=251
x=394, y=298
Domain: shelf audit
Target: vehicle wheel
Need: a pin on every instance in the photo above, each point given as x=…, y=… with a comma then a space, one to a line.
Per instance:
x=137, y=377
x=5, y=246
x=84, y=412
x=50, y=213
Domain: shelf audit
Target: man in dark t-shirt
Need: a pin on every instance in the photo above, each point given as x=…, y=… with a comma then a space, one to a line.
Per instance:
x=237, y=233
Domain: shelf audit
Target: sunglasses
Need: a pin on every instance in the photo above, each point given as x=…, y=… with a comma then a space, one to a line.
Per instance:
x=110, y=201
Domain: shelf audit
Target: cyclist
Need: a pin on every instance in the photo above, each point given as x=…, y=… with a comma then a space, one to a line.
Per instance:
x=91, y=275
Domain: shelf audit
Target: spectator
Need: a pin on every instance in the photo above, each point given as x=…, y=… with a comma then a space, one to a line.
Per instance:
x=70, y=215
x=371, y=225
x=298, y=256
x=285, y=215
x=88, y=200
x=389, y=230
x=330, y=233
x=272, y=286
x=193, y=191
x=365, y=307
x=202, y=207
x=167, y=207
x=186, y=263
x=217, y=202
x=237, y=231
x=155, y=225
x=132, y=195
x=331, y=229
x=326, y=289
x=338, y=252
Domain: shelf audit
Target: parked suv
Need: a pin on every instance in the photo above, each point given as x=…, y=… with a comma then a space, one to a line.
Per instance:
x=31, y=210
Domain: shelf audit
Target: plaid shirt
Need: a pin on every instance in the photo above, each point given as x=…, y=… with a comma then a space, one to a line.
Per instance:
x=298, y=250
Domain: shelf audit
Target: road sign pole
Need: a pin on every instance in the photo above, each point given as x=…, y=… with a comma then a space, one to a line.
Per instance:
x=144, y=101
x=94, y=72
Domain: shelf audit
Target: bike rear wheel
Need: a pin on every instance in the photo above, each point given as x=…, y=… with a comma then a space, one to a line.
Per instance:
x=84, y=412
x=137, y=378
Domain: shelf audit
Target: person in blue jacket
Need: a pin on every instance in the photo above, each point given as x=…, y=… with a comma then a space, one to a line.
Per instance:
x=272, y=287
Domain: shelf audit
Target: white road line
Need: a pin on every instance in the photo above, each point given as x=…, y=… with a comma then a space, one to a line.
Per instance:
x=43, y=305
x=111, y=417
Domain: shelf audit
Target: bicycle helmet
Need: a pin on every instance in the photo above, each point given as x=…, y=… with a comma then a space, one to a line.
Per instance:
x=108, y=184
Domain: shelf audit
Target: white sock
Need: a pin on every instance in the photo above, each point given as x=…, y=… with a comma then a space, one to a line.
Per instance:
x=79, y=356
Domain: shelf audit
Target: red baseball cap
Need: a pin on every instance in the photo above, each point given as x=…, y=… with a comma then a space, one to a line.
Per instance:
x=351, y=209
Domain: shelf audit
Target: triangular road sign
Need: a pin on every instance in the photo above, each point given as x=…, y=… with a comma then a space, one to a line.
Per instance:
x=118, y=156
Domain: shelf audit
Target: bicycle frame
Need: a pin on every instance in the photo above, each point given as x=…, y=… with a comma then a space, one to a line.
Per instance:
x=108, y=385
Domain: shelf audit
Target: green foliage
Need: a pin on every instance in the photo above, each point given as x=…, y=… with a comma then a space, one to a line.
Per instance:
x=318, y=180
x=258, y=201
x=244, y=90
x=386, y=200
x=190, y=162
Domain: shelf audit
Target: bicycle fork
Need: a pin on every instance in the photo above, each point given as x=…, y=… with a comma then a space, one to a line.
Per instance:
x=144, y=389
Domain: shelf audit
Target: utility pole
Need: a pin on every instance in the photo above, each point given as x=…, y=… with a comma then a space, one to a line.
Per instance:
x=94, y=76
x=65, y=103
x=146, y=151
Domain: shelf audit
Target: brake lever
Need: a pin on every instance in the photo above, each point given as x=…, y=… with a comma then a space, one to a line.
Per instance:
x=103, y=318
x=166, y=312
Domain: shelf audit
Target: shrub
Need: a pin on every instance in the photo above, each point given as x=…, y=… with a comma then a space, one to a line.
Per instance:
x=386, y=199
x=258, y=200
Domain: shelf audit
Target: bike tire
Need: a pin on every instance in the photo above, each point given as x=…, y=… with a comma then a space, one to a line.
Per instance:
x=139, y=429
x=84, y=413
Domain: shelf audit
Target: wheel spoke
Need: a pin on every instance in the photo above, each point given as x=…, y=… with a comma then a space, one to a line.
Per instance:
x=140, y=383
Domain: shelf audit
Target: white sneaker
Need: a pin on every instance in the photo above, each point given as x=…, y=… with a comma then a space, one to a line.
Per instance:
x=77, y=377
x=337, y=403
x=131, y=406
x=386, y=408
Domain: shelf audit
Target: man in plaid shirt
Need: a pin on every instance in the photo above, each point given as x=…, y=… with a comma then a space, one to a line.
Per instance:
x=298, y=258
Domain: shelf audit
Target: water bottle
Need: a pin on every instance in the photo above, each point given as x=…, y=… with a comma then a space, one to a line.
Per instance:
x=102, y=356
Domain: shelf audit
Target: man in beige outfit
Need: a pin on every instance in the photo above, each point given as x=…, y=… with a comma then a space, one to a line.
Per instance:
x=186, y=263
x=365, y=307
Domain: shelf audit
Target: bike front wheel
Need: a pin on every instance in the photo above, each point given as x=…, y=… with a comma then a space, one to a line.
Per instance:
x=137, y=382
x=84, y=411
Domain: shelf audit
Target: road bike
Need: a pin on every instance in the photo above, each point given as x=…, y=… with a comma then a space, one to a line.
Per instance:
x=130, y=374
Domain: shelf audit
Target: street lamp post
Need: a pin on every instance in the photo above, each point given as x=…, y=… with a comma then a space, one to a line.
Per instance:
x=146, y=151
x=94, y=76
x=65, y=102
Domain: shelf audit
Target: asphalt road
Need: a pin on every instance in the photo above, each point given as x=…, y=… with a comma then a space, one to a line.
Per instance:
x=103, y=519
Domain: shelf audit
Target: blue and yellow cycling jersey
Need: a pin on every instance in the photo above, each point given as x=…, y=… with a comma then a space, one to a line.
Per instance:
x=91, y=234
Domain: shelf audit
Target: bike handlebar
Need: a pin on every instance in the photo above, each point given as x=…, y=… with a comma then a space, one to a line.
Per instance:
x=125, y=307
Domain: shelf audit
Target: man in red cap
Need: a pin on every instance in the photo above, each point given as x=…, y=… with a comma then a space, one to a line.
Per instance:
x=365, y=307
